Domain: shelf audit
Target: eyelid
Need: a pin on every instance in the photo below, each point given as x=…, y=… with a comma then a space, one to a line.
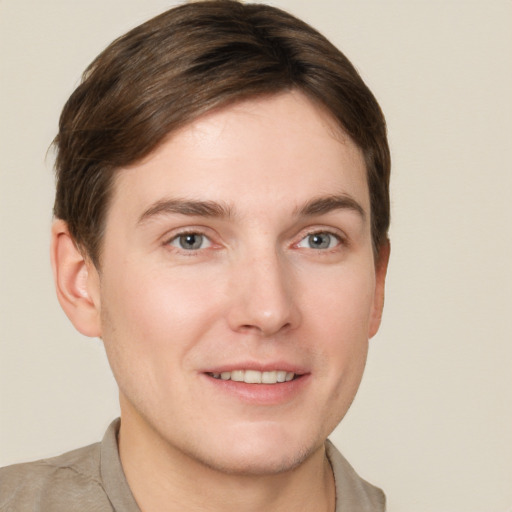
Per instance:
x=174, y=234
x=334, y=232
x=175, y=241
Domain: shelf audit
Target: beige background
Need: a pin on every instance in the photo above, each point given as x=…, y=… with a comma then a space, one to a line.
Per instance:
x=432, y=423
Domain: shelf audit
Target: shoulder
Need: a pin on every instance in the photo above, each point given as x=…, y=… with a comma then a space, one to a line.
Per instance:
x=353, y=494
x=69, y=482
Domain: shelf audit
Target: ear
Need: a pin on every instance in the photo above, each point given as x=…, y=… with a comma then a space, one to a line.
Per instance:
x=381, y=267
x=76, y=282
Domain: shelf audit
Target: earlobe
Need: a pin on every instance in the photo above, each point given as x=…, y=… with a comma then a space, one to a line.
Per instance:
x=76, y=282
x=381, y=268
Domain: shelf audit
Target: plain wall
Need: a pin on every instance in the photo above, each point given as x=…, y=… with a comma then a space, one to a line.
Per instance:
x=432, y=423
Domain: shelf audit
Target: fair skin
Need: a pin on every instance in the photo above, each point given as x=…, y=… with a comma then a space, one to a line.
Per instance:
x=240, y=249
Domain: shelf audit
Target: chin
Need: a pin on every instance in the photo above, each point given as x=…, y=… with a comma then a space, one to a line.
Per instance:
x=267, y=451
x=255, y=463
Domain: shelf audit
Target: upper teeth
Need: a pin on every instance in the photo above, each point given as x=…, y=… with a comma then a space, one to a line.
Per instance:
x=255, y=377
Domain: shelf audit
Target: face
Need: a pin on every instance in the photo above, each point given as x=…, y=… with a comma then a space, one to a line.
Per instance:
x=238, y=288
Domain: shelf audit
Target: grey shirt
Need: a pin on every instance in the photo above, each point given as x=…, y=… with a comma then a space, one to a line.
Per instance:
x=91, y=479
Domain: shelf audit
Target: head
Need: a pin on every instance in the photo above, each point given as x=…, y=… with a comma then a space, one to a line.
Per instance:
x=222, y=212
x=190, y=60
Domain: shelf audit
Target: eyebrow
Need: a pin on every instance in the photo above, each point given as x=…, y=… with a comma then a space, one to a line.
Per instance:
x=327, y=204
x=196, y=208
x=187, y=207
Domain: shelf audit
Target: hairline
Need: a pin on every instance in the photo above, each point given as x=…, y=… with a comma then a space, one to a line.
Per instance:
x=335, y=126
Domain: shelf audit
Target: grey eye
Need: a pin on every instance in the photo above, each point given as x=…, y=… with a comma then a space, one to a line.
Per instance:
x=190, y=241
x=319, y=241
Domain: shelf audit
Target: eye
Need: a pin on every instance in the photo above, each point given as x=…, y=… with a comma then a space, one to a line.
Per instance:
x=320, y=240
x=190, y=241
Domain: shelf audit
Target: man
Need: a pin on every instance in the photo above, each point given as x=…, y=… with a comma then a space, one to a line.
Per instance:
x=221, y=223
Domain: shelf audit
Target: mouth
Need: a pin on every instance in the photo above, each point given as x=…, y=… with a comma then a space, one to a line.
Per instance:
x=255, y=376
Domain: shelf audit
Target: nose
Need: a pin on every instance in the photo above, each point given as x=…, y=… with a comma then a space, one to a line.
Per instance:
x=263, y=298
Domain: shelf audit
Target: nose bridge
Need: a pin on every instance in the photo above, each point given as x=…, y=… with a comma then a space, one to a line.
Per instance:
x=263, y=298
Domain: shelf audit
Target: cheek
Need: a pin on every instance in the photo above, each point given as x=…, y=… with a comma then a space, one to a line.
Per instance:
x=341, y=303
x=157, y=310
x=339, y=322
x=151, y=328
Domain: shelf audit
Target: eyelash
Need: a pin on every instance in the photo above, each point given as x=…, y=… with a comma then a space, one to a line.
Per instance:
x=192, y=232
x=340, y=239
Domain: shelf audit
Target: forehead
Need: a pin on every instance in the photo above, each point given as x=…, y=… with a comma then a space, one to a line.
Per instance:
x=263, y=152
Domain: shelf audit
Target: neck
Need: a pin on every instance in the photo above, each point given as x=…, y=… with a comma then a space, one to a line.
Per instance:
x=164, y=479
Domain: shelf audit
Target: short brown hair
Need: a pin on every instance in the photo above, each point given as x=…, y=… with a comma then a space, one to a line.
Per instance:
x=187, y=61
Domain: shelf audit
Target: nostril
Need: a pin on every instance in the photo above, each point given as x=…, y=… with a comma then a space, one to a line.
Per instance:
x=262, y=303
x=265, y=329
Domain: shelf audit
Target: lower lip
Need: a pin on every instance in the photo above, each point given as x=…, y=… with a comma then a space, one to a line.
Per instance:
x=261, y=394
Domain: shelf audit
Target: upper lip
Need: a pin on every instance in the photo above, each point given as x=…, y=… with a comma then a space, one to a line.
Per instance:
x=258, y=366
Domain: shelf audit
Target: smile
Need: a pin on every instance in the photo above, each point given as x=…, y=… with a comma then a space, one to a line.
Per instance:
x=255, y=376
